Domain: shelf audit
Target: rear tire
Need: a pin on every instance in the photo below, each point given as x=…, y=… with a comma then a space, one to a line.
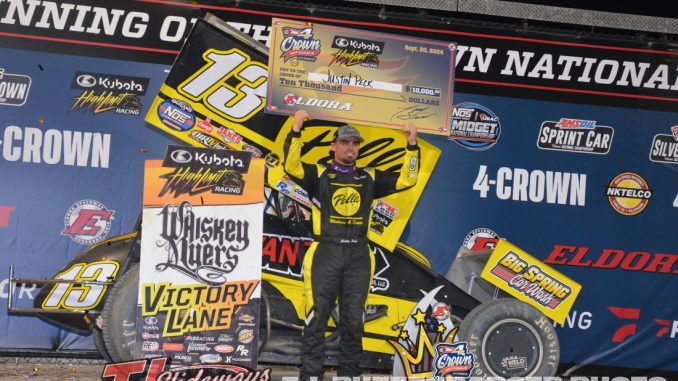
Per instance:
x=120, y=314
x=509, y=339
x=98, y=337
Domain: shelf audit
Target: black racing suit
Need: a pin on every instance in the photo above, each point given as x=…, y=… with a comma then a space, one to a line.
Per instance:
x=339, y=262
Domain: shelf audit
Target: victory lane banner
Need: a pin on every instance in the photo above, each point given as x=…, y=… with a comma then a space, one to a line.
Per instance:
x=531, y=281
x=200, y=270
x=363, y=77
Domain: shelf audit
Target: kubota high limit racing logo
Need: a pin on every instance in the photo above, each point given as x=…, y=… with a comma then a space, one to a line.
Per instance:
x=628, y=193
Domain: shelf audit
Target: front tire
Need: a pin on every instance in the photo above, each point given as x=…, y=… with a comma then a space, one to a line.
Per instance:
x=120, y=314
x=510, y=338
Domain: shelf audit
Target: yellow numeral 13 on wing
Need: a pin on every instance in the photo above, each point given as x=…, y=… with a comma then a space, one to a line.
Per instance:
x=81, y=297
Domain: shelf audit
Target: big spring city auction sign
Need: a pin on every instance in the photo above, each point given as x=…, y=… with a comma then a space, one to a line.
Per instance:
x=200, y=274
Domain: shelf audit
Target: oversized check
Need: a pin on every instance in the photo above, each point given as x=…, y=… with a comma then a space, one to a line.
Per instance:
x=363, y=77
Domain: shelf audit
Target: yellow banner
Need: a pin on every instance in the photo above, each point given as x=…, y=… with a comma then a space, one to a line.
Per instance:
x=530, y=280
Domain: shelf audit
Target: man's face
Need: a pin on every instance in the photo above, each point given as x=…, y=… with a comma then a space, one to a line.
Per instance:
x=346, y=150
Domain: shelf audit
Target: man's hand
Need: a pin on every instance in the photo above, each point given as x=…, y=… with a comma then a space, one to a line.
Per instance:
x=299, y=118
x=411, y=133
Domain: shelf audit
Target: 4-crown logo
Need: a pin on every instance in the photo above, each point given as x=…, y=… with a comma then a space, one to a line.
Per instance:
x=88, y=222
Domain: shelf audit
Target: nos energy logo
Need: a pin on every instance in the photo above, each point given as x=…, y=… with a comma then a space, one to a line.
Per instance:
x=474, y=126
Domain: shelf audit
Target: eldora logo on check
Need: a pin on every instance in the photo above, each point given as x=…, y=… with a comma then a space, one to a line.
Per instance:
x=296, y=100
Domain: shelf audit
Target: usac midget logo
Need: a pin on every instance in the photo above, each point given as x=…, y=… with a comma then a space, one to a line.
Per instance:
x=87, y=222
x=628, y=193
x=474, y=126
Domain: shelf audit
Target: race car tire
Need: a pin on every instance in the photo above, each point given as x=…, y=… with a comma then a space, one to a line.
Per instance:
x=119, y=315
x=99, y=344
x=509, y=339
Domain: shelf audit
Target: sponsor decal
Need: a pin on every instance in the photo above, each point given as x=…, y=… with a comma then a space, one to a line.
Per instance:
x=71, y=148
x=203, y=248
x=518, y=184
x=198, y=347
x=299, y=44
x=609, y=259
x=224, y=348
x=244, y=314
x=474, y=126
x=151, y=320
x=418, y=338
x=345, y=203
x=256, y=152
x=87, y=222
x=176, y=114
x=441, y=311
x=225, y=338
x=664, y=148
x=210, y=358
x=150, y=346
x=663, y=328
x=481, y=239
x=379, y=281
x=109, y=82
x=147, y=336
x=295, y=100
x=173, y=347
x=106, y=92
x=196, y=307
x=514, y=362
x=65, y=296
x=242, y=351
x=5, y=212
x=382, y=216
x=246, y=336
x=207, y=140
x=628, y=193
x=199, y=170
x=575, y=135
x=229, y=135
x=281, y=254
x=531, y=281
x=354, y=51
x=14, y=88
x=453, y=360
x=206, y=125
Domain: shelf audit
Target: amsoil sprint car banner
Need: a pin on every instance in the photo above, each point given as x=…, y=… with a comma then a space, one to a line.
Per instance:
x=346, y=74
x=528, y=279
x=214, y=97
x=200, y=271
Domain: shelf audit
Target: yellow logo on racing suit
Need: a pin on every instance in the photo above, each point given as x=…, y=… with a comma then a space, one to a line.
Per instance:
x=346, y=201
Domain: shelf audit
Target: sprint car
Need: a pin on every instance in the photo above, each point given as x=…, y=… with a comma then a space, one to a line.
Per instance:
x=96, y=292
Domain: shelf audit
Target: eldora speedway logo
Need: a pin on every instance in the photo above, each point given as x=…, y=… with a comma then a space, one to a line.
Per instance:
x=575, y=135
x=628, y=193
x=474, y=126
x=481, y=239
x=88, y=222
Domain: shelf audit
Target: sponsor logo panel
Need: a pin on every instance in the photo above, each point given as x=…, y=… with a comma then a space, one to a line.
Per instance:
x=176, y=114
x=299, y=44
x=481, y=239
x=575, y=135
x=87, y=222
x=664, y=148
x=474, y=126
x=628, y=193
x=531, y=281
x=354, y=51
x=14, y=88
x=108, y=92
x=613, y=258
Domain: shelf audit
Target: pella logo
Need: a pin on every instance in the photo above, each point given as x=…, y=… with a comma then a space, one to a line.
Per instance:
x=296, y=100
x=13, y=88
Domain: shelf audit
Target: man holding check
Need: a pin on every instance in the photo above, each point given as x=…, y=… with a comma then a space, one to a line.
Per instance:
x=339, y=263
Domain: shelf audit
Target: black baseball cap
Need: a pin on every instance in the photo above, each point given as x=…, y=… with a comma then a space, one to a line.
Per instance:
x=346, y=131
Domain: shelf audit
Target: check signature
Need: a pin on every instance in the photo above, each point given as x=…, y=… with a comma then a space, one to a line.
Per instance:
x=414, y=112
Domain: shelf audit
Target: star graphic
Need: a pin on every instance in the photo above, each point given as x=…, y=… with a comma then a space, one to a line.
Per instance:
x=404, y=336
x=441, y=328
x=419, y=317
